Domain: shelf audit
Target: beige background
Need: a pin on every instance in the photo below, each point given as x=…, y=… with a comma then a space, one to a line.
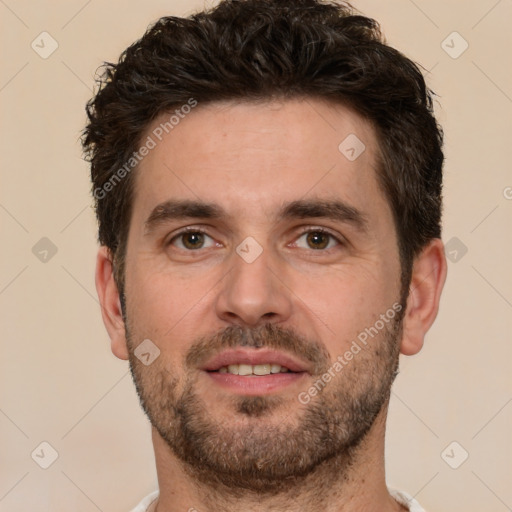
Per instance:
x=60, y=383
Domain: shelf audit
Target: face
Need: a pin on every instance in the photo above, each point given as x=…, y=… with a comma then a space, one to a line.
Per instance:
x=258, y=244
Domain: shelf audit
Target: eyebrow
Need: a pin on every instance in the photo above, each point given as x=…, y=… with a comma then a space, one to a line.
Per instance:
x=336, y=210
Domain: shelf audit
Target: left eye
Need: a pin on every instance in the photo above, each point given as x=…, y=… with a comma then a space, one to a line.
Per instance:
x=318, y=240
x=191, y=240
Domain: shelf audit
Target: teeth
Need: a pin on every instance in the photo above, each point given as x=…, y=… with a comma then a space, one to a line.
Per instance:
x=233, y=368
x=257, y=369
x=261, y=369
x=244, y=369
x=275, y=368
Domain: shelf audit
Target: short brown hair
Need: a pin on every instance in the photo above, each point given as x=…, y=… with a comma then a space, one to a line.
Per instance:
x=265, y=49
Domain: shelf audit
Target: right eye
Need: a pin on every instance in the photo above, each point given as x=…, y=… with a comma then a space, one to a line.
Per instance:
x=190, y=239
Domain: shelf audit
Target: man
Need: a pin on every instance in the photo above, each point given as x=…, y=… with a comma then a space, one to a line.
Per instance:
x=267, y=177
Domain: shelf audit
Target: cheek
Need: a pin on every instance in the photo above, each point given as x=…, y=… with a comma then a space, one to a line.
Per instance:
x=344, y=301
x=159, y=306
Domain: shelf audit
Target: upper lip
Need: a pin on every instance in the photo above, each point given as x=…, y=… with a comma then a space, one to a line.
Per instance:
x=254, y=357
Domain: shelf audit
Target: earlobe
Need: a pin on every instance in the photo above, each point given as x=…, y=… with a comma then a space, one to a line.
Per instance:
x=427, y=281
x=110, y=303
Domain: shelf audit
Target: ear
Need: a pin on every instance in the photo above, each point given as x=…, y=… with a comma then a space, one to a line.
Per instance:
x=427, y=281
x=110, y=303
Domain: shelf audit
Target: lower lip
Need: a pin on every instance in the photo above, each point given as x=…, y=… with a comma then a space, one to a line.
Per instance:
x=255, y=384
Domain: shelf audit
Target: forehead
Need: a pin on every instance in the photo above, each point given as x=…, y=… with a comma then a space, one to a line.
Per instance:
x=252, y=156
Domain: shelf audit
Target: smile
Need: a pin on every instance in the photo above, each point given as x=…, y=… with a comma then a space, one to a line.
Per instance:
x=257, y=369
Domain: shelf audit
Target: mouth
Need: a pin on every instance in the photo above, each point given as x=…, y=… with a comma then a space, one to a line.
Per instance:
x=254, y=372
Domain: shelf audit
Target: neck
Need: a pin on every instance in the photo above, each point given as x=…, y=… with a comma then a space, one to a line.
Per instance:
x=336, y=485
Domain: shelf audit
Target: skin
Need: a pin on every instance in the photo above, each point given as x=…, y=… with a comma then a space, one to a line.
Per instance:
x=250, y=158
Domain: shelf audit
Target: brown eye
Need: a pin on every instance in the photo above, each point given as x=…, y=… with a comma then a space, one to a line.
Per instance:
x=317, y=239
x=192, y=240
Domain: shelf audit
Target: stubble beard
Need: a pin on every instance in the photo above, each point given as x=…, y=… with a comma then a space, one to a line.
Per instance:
x=322, y=437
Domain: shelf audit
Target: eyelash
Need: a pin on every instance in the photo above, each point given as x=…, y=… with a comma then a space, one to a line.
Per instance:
x=192, y=229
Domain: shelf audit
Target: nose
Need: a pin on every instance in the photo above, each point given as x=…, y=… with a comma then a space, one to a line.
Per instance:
x=254, y=292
